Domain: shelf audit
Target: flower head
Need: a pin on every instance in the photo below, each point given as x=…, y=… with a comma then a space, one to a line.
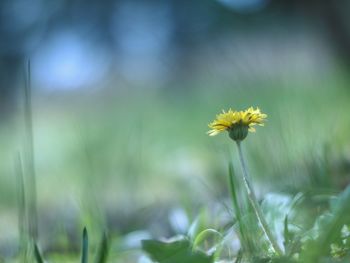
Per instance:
x=237, y=123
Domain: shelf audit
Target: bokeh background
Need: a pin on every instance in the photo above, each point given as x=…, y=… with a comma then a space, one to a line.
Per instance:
x=121, y=95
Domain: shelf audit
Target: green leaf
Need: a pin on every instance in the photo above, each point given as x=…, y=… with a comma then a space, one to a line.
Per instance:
x=37, y=254
x=198, y=225
x=287, y=235
x=102, y=250
x=209, y=236
x=328, y=229
x=175, y=252
x=341, y=204
x=85, y=245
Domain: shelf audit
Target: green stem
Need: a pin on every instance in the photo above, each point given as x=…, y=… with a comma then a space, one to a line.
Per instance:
x=252, y=198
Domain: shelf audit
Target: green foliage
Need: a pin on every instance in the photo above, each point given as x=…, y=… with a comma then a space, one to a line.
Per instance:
x=331, y=231
x=212, y=242
x=315, y=230
x=37, y=254
x=246, y=242
x=175, y=252
x=292, y=243
x=85, y=247
x=102, y=252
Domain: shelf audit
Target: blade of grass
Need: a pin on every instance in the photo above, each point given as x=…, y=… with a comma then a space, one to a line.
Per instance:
x=239, y=256
x=102, y=253
x=38, y=257
x=234, y=196
x=29, y=151
x=21, y=204
x=85, y=247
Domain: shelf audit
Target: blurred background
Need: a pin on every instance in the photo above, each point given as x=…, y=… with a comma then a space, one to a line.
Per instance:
x=121, y=95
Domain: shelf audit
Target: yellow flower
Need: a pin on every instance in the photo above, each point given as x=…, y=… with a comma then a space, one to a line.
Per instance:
x=237, y=123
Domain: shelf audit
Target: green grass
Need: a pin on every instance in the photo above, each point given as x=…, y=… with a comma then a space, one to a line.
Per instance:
x=121, y=159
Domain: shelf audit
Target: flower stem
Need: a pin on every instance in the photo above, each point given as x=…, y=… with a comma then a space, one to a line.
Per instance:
x=252, y=198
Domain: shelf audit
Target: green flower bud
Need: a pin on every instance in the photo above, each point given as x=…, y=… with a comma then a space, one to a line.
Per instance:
x=238, y=132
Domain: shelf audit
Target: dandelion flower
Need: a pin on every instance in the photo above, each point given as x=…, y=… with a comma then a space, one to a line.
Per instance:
x=237, y=123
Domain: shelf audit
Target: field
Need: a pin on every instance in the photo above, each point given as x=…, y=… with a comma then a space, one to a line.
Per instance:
x=138, y=165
